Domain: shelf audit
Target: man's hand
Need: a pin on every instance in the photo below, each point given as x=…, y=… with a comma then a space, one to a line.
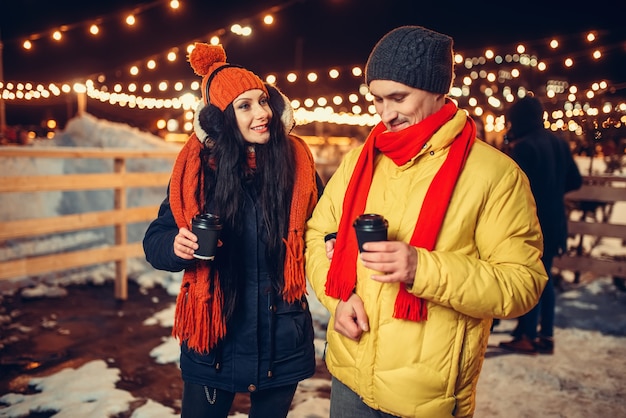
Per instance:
x=396, y=260
x=350, y=318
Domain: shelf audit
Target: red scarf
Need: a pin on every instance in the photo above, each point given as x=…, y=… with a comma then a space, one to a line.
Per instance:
x=198, y=319
x=400, y=147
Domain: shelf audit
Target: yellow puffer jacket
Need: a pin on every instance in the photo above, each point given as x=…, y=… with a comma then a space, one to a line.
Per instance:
x=486, y=264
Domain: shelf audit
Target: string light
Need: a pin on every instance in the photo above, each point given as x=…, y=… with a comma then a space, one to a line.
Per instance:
x=94, y=27
x=26, y=91
x=324, y=112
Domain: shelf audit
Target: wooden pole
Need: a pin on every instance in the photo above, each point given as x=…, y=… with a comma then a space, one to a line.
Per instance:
x=82, y=103
x=3, y=118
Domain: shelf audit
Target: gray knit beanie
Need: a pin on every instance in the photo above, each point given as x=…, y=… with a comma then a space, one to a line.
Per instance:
x=414, y=56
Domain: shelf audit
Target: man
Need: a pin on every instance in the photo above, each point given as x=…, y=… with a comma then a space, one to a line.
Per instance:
x=410, y=317
x=547, y=161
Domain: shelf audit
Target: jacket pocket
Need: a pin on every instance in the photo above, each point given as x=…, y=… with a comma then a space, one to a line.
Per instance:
x=209, y=359
x=294, y=329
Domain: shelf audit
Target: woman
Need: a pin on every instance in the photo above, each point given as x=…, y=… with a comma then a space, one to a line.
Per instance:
x=242, y=319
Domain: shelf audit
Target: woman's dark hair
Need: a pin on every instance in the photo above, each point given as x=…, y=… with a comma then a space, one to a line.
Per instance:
x=226, y=175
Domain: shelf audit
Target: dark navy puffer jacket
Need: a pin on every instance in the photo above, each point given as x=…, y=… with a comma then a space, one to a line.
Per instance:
x=548, y=162
x=269, y=343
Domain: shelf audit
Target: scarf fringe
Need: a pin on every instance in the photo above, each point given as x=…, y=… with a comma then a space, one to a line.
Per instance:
x=407, y=306
x=342, y=288
x=202, y=308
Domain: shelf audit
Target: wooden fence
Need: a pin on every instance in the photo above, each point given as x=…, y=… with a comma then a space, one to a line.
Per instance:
x=119, y=180
x=594, y=203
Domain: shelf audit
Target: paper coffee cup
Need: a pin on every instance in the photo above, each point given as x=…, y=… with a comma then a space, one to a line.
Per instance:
x=370, y=227
x=207, y=228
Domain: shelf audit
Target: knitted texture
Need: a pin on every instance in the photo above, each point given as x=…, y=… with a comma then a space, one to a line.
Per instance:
x=302, y=204
x=227, y=83
x=400, y=147
x=199, y=316
x=414, y=56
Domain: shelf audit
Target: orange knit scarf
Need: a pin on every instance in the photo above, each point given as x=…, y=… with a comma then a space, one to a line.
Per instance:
x=198, y=319
x=400, y=147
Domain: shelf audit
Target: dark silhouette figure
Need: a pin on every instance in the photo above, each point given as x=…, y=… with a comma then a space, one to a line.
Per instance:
x=547, y=161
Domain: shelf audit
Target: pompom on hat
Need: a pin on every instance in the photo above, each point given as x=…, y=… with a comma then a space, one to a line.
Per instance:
x=221, y=82
x=415, y=56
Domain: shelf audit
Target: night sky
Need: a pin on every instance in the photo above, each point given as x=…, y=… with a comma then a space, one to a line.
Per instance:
x=307, y=34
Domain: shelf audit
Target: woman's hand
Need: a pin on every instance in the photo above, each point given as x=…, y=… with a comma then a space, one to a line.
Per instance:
x=185, y=243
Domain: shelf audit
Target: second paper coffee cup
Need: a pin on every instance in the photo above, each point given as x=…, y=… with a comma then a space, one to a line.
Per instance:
x=207, y=227
x=370, y=227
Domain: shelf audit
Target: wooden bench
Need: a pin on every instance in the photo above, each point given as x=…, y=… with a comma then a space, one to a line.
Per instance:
x=590, y=211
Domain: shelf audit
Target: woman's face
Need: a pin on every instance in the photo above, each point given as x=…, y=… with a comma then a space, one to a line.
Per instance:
x=253, y=113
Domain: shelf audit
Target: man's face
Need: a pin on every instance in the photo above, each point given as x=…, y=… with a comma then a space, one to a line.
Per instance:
x=401, y=106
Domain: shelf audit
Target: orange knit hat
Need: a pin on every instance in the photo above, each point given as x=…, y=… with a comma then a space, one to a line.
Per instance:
x=222, y=81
